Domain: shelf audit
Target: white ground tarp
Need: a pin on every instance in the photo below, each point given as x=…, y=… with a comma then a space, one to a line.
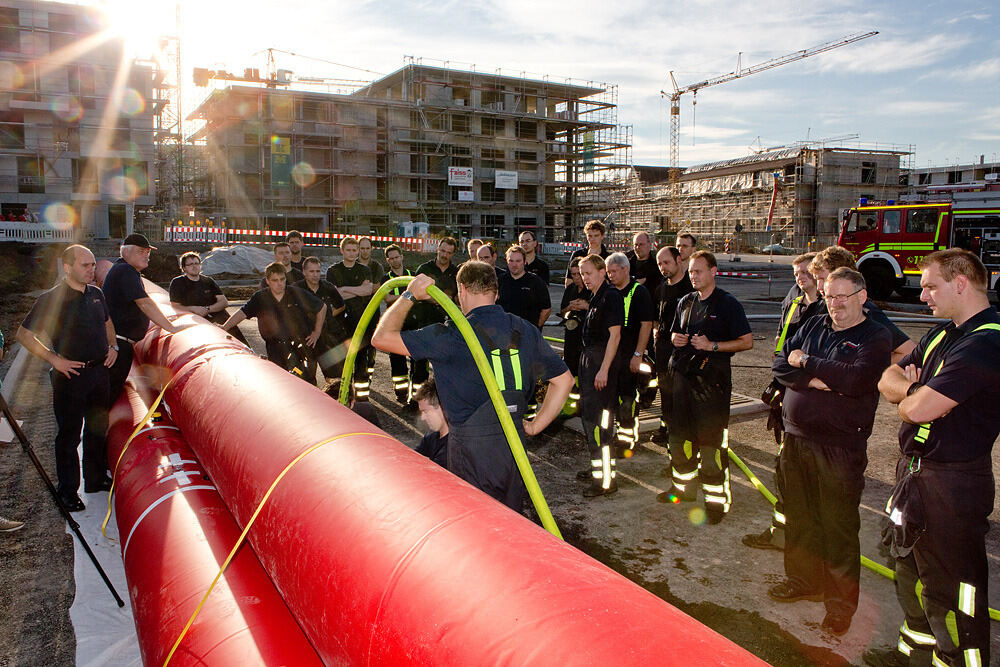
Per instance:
x=240, y=259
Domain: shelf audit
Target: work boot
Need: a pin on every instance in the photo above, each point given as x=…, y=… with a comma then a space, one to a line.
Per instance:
x=104, y=485
x=763, y=541
x=713, y=516
x=836, y=623
x=585, y=475
x=885, y=657
x=789, y=591
x=675, y=495
x=660, y=436
x=73, y=503
x=8, y=526
x=596, y=488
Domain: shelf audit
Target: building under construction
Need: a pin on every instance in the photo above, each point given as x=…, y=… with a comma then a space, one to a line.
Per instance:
x=76, y=121
x=469, y=153
x=792, y=194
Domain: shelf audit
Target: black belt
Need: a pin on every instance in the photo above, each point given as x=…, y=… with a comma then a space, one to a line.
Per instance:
x=93, y=363
x=127, y=340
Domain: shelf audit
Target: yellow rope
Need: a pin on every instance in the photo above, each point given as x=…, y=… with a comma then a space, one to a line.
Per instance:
x=250, y=523
x=114, y=473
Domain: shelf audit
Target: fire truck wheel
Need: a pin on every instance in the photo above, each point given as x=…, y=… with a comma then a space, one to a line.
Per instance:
x=879, y=279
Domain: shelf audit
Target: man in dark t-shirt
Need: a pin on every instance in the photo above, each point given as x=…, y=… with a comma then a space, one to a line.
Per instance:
x=198, y=294
x=354, y=281
x=675, y=284
x=434, y=445
x=642, y=264
x=522, y=293
x=532, y=262
x=331, y=349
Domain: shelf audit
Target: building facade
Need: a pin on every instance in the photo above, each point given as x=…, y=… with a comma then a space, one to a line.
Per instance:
x=793, y=195
x=471, y=154
x=75, y=146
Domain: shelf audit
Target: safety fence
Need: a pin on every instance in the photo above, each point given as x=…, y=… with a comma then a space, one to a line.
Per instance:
x=226, y=235
x=37, y=232
x=749, y=276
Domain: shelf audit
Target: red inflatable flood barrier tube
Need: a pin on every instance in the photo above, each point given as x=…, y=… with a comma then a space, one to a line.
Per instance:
x=175, y=534
x=385, y=558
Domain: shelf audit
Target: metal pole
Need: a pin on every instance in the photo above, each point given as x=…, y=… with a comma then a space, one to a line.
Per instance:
x=74, y=526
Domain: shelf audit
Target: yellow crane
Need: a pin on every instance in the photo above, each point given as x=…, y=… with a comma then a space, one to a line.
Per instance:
x=738, y=73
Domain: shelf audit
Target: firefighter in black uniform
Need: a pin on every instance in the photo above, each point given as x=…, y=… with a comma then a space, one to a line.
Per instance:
x=636, y=330
x=709, y=327
x=573, y=308
x=947, y=390
x=594, y=229
x=365, y=247
x=290, y=321
x=402, y=382
x=830, y=369
x=478, y=451
x=331, y=348
x=532, y=262
x=74, y=319
x=600, y=367
x=198, y=294
x=802, y=302
x=675, y=284
x=445, y=276
x=354, y=281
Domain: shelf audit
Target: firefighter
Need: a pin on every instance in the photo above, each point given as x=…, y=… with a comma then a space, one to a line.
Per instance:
x=401, y=377
x=636, y=329
x=478, y=450
x=947, y=390
x=673, y=287
x=600, y=366
x=573, y=308
x=709, y=327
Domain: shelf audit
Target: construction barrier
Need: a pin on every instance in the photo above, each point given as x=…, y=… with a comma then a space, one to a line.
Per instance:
x=232, y=236
x=37, y=232
x=384, y=557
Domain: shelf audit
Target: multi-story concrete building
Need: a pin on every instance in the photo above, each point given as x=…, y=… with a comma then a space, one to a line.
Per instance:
x=74, y=144
x=919, y=179
x=809, y=186
x=470, y=153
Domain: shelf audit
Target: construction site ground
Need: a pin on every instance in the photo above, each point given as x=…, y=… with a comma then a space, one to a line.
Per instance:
x=704, y=570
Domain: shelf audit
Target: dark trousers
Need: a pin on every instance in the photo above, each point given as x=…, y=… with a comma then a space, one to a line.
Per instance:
x=663, y=350
x=400, y=376
x=572, y=346
x=823, y=485
x=479, y=453
x=699, y=416
x=293, y=358
x=80, y=401
x=597, y=410
x=950, y=615
x=626, y=410
x=119, y=371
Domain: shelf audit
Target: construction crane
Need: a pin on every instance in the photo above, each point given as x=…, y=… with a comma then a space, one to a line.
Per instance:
x=738, y=73
x=274, y=77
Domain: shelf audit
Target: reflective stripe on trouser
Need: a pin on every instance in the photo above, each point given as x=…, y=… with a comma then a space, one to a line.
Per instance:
x=941, y=585
x=628, y=425
x=597, y=405
x=714, y=470
x=400, y=376
x=603, y=469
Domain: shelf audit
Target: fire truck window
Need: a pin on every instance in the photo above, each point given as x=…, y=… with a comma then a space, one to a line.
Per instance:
x=921, y=221
x=890, y=222
x=867, y=222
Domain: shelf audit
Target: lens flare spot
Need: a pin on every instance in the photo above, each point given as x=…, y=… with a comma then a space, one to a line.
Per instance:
x=59, y=212
x=10, y=75
x=123, y=188
x=697, y=516
x=132, y=102
x=67, y=109
x=303, y=174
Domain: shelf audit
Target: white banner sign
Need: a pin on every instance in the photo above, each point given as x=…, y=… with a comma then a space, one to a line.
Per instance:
x=460, y=176
x=465, y=195
x=506, y=180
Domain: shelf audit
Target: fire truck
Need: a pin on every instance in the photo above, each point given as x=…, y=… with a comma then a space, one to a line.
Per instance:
x=890, y=238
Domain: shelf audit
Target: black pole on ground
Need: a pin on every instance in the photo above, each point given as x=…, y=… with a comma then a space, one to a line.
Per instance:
x=74, y=526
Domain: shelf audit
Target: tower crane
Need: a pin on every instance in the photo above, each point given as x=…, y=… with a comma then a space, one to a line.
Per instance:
x=738, y=73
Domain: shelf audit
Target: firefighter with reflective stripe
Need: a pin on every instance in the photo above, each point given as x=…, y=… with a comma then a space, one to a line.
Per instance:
x=675, y=284
x=478, y=450
x=573, y=308
x=600, y=368
x=402, y=382
x=709, y=327
x=636, y=329
x=947, y=391
x=801, y=303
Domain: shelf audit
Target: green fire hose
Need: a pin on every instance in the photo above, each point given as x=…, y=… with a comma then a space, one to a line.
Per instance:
x=516, y=447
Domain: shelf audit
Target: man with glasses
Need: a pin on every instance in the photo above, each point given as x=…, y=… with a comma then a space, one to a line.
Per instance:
x=532, y=262
x=199, y=294
x=830, y=369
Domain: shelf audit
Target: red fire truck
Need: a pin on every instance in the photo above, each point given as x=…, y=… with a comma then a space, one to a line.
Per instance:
x=889, y=239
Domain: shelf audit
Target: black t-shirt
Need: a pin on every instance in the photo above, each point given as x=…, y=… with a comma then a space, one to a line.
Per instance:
x=187, y=292
x=377, y=271
x=967, y=364
x=720, y=317
x=292, y=276
x=540, y=268
x=429, y=312
x=343, y=276
x=638, y=310
x=122, y=287
x=292, y=318
x=584, y=252
x=328, y=294
x=525, y=297
x=667, y=297
x=645, y=268
x=435, y=447
x=606, y=310
x=75, y=322
x=297, y=264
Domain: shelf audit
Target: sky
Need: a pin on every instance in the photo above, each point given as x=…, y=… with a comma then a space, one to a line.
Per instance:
x=930, y=78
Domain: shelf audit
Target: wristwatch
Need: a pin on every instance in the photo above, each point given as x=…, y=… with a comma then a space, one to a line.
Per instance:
x=913, y=388
x=802, y=360
x=637, y=354
x=114, y=347
x=715, y=347
x=409, y=296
